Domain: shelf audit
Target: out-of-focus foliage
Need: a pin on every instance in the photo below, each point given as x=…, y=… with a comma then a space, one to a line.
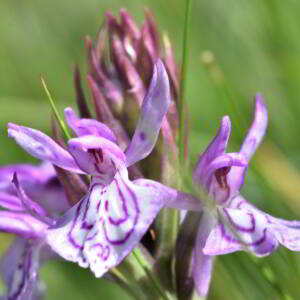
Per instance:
x=256, y=47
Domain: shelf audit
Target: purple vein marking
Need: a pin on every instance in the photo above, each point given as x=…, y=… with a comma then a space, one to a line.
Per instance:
x=121, y=241
x=25, y=273
x=239, y=227
x=124, y=208
x=231, y=239
x=71, y=239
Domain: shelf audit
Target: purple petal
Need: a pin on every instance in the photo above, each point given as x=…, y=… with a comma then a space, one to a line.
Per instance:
x=251, y=142
x=106, y=225
x=88, y=126
x=217, y=171
x=202, y=272
x=258, y=128
x=153, y=110
x=214, y=177
x=27, y=174
x=50, y=196
x=225, y=160
x=240, y=229
x=42, y=147
x=170, y=197
x=203, y=264
x=39, y=183
x=21, y=224
x=217, y=147
x=286, y=232
x=11, y=202
x=19, y=268
x=96, y=155
x=27, y=202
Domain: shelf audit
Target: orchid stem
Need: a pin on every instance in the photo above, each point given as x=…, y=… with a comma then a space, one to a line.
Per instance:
x=138, y=257
x=183, y=79
x=56, y=113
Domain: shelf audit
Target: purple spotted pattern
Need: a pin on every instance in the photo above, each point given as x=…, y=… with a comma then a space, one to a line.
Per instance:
x=111, y=219
x=92, y=225
x=107, y=224
x=234, y=224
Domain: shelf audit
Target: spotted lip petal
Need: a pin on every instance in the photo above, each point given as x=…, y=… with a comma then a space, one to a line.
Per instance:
x=244, y=227
x=217, y=147
x=88, y=126
x=286, y=232
x=107, y=224
x=42, y=147
x=241, y=229
x=153, y=110
x=252, y=141
x=96, y=155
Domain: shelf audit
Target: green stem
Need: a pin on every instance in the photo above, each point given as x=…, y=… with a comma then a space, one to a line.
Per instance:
x=126, y=284
x=56, y=113
x=183, y=77
x=143, y=263
x=167, y=224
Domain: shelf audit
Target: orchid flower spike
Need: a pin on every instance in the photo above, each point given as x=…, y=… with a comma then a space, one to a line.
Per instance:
x=103, y=228
x=28, y=218
x=234, y=224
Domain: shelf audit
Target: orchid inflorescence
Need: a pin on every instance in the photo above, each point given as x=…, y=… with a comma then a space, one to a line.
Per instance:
x=89, y=201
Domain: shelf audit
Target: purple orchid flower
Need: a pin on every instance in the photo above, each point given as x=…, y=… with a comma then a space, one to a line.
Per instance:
x=104, y=227
x=27, y=218
x=234, y=224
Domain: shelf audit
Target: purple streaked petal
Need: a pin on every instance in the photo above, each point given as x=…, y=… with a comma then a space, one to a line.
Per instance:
x=42, y=147
x=88, y=126
x=21, y=224
x=239, y=202
x=106, y=225
x=11, y=202
x=217, y=147
x=19, y=268
x=286, y=232
x=96, y=155
x=239, y=229
x=153, y=110
x=252, y=141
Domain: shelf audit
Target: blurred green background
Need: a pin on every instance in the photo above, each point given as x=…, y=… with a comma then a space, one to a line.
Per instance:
x=257, y=48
